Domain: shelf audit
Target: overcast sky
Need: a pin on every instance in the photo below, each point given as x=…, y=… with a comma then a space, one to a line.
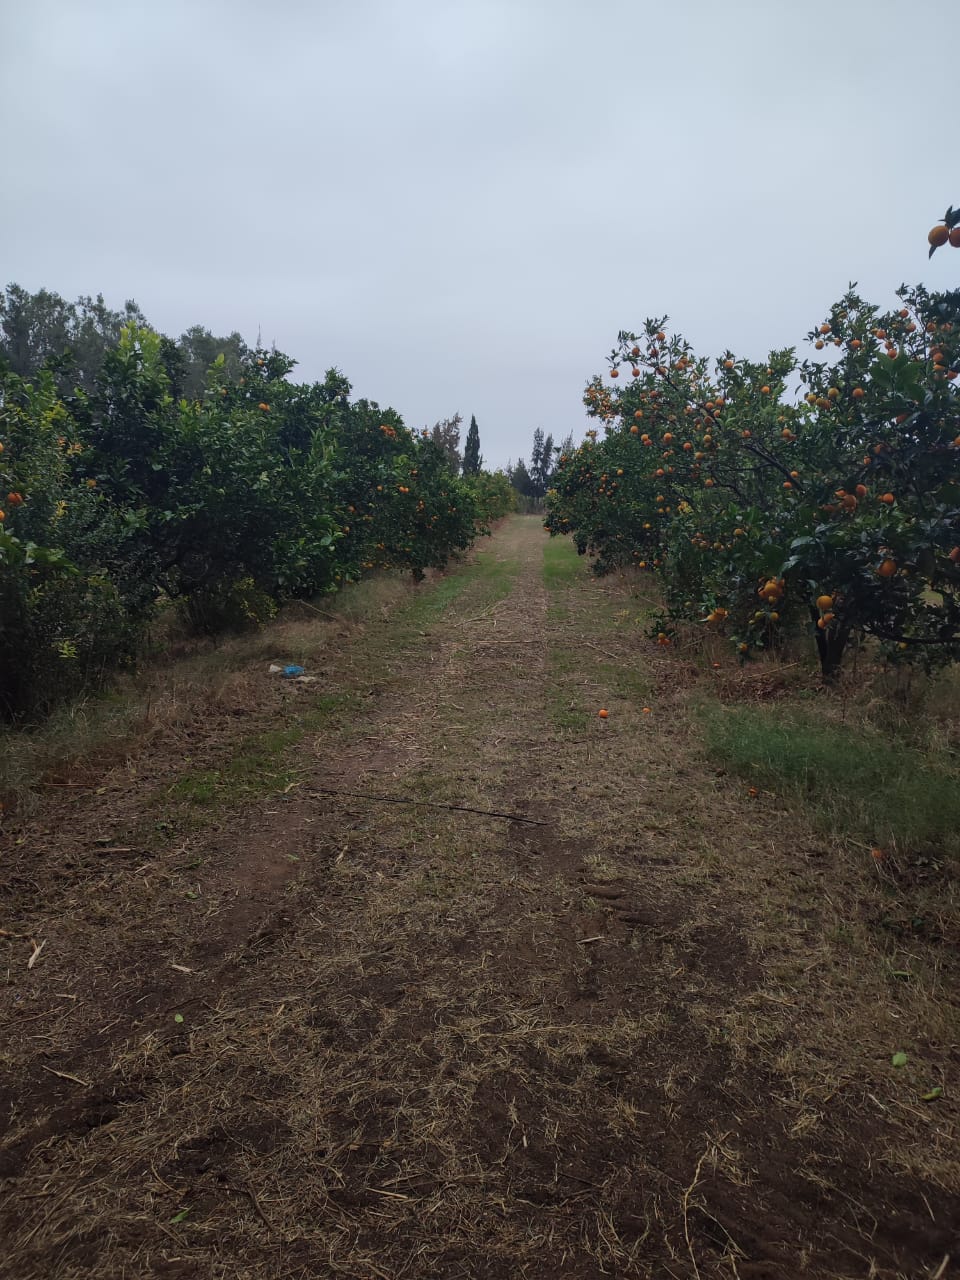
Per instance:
x=460, y=202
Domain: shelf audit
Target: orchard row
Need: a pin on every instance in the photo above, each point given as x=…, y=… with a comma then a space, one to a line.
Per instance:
x=257, y=491
x=823, y=493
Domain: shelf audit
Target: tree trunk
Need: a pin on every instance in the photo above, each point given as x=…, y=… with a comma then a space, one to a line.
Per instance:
x=831, y=643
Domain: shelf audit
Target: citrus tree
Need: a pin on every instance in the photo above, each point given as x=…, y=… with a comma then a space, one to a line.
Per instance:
x=123, y=494
x=64, y=618
x=758, y=508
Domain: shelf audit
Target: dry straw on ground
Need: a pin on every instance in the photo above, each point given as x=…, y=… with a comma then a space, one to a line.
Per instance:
x=296, y=1033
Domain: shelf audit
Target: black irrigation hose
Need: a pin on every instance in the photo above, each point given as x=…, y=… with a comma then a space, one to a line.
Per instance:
x=428, y=804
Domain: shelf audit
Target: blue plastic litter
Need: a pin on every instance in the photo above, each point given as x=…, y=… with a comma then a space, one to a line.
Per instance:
x=292, y=671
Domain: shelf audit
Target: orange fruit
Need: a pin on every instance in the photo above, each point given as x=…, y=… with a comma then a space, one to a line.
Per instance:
x=858, y=393
x=938, y=235
x=15, y=499
x=954, y=237
x=603, y=713
x=764, y=391
x=887, y=498
x=824, y=603
x=887, y=568
x=264, y=407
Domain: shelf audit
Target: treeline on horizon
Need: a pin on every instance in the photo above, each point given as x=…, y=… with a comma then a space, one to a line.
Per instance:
x=139, y=471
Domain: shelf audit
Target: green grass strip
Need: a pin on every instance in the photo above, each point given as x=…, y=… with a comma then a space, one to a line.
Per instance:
x=851, y=781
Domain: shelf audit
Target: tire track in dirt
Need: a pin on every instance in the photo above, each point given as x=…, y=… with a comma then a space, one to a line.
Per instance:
x=61, y=879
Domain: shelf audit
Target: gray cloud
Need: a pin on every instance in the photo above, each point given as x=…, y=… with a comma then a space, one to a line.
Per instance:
x=459, y=204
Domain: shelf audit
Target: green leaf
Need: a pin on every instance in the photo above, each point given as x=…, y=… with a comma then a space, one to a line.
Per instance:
x=932, y=1095
x=899, y=1059
x=178, y=1017
x=179, y=1217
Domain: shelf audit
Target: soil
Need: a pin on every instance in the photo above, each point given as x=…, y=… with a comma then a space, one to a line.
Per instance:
x=349, y=1026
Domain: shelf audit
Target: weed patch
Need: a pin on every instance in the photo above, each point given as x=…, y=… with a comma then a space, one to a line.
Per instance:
x=561, y=564
x=851, y=781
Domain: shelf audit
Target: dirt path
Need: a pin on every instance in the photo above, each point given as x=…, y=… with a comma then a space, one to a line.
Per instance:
x=324, y=1035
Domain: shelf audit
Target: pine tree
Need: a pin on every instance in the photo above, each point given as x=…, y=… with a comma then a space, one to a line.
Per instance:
x=472, y=462
x=519, y=477
x=446, y=434
x=541, y=463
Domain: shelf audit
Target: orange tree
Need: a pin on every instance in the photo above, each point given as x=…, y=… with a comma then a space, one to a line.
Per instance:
x=493, y=494
x=757, y=509
x=396, y=501
x=64, y=618
x=945, y=232
x=216, y=502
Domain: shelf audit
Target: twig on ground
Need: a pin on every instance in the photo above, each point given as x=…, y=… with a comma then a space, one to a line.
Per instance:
x=247, y=1191
x=65, y=1075
x=477, y=616
x=322, y=612
x=686, y=1206
x=615, y=657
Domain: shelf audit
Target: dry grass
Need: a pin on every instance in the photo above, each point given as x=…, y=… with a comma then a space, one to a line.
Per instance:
x=188, y=680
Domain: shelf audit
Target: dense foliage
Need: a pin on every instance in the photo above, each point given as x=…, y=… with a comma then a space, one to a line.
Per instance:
x=123, y=493
x=824, y=492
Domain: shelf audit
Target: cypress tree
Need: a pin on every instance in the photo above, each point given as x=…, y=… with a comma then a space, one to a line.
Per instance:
x=472, y=462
